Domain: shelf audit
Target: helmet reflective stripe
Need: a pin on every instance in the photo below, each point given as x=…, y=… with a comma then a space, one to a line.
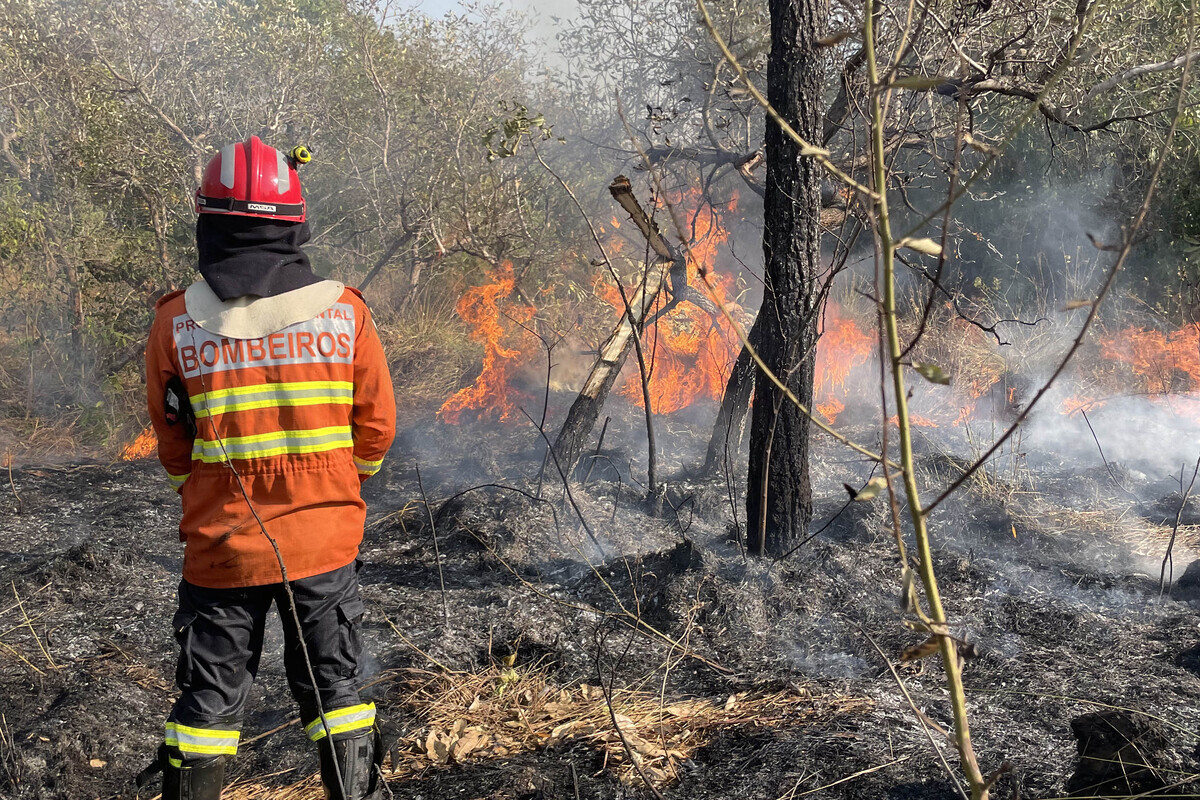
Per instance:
x=284, y=180
x=239, y=180
x=228, y=165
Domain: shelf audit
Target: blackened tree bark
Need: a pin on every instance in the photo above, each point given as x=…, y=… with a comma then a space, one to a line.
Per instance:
x=779, y=493
x=729, y=429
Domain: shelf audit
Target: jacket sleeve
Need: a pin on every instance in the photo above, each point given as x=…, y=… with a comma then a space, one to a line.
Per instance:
x=374, y=416
x=174, y=441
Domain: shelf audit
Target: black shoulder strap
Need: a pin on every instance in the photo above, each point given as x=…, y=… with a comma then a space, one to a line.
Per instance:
x=177, y=406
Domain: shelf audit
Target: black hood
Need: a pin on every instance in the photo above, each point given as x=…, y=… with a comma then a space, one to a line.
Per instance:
x=252, y=256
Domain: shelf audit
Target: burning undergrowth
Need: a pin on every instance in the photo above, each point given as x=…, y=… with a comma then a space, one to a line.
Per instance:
x=539, y=640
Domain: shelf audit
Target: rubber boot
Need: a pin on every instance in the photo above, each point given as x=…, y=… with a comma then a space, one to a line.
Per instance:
x=197, y=780
x=358, y=759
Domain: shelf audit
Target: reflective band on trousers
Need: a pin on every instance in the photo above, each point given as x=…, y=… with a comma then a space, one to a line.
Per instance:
x=278, y=443
x=273, y=395
x=177, y=480
x=202, y=741
x=367, y=467
x=351, y=718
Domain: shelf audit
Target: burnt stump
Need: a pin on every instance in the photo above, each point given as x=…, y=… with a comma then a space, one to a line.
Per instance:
x=1120, y=754
x=1188, y=585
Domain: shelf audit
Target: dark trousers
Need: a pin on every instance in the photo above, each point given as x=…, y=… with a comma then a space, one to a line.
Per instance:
x=220, y=635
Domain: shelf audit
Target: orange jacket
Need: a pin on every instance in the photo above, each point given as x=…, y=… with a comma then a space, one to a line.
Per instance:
x=304, y=415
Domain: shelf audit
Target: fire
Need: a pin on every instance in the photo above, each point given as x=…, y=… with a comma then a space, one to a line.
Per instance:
x=1163, y=362
x=830, y=409
x=484, y=308
x=690, y=350
x=1079, y=403
x=915, y=420
x=1140, y=361
x=143, y=446
x=843, y=346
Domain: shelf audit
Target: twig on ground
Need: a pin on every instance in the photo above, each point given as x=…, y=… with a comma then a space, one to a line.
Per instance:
x=29, y=624
x=612, y=715
x=596, y=455
x=567, y=486
x=35, y=592
x=926, y=723
x=437, y=554
x=8, y=462
x=624, y=615
x=446, y=503
x=1164, y=579
x=1111, y=474
x=410, y=644
x=861, y=773
x=824, y=527
x=25, y=660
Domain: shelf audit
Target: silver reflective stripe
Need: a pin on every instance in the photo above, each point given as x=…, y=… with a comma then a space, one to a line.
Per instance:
x=284, y=179
x=367, y=467
x=342, y=720
x=228, y=165
x=204, y=741
x=278, y=443
x=275, y=395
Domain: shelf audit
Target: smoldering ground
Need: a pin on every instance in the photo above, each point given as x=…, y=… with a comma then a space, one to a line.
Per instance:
x=1055, y=596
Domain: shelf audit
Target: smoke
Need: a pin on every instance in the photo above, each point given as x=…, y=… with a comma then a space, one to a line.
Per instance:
x=547, y=18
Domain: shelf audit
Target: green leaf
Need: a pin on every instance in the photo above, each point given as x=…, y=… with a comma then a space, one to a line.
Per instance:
x=932, y=373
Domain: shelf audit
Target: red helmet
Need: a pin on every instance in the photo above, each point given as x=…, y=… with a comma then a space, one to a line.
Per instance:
x=251, y=179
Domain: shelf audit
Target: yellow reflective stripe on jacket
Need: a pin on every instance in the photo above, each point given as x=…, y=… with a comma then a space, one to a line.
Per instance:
x=177, y=480
x=273, y=395
x=204, y=741
x=351, y=718
x=367, y=467
x=276, y=443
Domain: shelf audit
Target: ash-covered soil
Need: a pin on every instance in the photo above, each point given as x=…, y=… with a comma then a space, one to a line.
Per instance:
x=1050, y=572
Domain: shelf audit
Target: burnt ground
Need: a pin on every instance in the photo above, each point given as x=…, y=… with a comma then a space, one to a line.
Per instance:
x=1050, y=571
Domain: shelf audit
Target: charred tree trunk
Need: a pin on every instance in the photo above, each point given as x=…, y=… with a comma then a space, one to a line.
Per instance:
x=779, y=494
x=729, y=429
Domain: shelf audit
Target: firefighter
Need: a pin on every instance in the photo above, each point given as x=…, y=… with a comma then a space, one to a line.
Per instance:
x=270, y=394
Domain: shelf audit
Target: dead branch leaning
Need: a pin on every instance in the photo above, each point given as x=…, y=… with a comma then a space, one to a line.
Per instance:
x=581, y=417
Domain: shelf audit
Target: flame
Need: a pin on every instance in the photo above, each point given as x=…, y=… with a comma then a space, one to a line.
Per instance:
x=915, y=420
x=690, y=350
x=490, y=396
x=1163, y=362
x=1141, y=361
x=143, y=446
x=830, y=409
x=843, y=346
x=1079, y=403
